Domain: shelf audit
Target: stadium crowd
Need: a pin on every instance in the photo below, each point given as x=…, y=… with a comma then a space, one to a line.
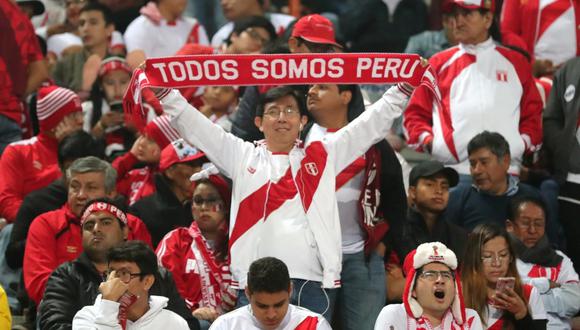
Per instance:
x=451, y=203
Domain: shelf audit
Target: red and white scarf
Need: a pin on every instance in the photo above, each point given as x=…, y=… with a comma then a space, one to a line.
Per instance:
x=214, y=276
x=278, y=69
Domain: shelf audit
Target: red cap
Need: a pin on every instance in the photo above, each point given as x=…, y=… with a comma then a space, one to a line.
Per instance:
x=178, y=151
x=315, y=28
x=161, y=131
x=470, y=4
x=53, y=104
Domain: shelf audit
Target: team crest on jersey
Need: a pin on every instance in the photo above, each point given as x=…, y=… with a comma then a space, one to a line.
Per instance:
x=501, y=75
x=311, y=169
x=251, y=170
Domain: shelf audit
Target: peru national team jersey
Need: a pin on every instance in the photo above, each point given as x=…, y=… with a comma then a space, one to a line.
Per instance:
x=556, y=19
x=297, y=318
x=535, y=307
x=163, y=39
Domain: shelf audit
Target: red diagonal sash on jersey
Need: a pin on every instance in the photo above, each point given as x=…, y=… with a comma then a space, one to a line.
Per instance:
x=309, y=323
x=273, y=195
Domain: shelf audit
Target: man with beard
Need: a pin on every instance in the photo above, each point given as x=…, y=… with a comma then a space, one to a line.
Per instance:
x=432, y=297
x=75, y=284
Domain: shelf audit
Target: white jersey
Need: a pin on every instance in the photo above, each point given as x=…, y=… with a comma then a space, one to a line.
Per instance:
x=284, y=205
x=535, y=309
x=561, y=304
x=280, y=22
x=395, y=317
x=163, y=39
x=58, y=43
x=349, y=183
x=297, y=318
x=103, y=315
x=562, y=22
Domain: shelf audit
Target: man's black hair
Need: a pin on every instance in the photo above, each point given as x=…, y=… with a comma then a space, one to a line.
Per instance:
x=278, y=93
x=268, y=275
x=79, y=144
x=245, y=23
x=116, y=203
x=517, y=202
x=96, y=6
x=493, y=141
x=137, y=252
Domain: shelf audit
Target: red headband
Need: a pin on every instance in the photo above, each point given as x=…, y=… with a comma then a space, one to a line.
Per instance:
x=112, y=65
x=104, y=207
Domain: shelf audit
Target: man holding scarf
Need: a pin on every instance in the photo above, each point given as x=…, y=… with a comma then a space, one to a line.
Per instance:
x=548, y=270
x=284, y=201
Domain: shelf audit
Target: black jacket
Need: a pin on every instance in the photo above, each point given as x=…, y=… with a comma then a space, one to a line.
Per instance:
x=49, y=198
x=162, y=212
x=414, y=232
x=560, y=121
x=368, y=26
x=75, y=284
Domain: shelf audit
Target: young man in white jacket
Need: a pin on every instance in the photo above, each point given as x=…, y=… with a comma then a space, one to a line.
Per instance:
x=124, y=302
x=432, y=297
x=269, y=289
x=283, y=197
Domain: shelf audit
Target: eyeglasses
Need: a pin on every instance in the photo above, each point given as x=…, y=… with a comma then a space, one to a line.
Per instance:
x=275, y=112
x=210, y=201
x=528, y=225
x=499, y=258
x=124, y=274
x=433, y=275
x=256, y=36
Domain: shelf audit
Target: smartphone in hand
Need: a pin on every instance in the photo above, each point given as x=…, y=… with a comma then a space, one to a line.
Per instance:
x=504, y=283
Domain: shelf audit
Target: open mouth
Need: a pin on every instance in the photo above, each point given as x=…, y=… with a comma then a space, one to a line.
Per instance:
x=439, y=294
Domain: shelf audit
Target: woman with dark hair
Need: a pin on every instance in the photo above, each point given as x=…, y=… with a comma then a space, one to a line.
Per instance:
x=489, y=260
x=198, y=256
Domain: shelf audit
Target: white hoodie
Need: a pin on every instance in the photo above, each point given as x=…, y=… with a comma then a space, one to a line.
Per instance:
x=103, y=315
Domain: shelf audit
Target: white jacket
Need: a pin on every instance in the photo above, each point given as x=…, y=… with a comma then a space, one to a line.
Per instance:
x=297, y=318
x=103, y=316
x=285, y=210
x=395, y=316
x=561, y=304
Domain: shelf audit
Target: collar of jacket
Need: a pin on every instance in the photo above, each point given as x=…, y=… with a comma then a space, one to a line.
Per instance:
x=477, y=48
x=512, y=189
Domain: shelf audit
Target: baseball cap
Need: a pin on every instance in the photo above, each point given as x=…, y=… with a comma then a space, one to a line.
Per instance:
x=178, y=151
x=316, y=29
x=431, y=167
x=38, y=6
x=469, y=4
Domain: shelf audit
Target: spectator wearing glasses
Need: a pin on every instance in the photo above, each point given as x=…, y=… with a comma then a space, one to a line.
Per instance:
x=310, y=34
x=432, y=298
x=489, y=257
x=75, y=284
x=207, y=288
x=125, y=301
x=548, y=270
x=273, y=213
